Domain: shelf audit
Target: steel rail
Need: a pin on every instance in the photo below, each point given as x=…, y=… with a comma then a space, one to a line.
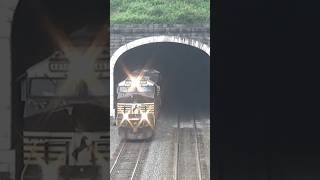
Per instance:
x=197, y=147
x=138, y=160
x=118, y=156
x=177, y=152
x=177, y=155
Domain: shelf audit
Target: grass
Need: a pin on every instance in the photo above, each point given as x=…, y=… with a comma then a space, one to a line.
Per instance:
x=160, y=11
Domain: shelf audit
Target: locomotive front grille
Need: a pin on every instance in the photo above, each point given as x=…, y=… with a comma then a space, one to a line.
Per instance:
x=123, y=108
x=37, y=149
x=52, y=149
x=102, y=147
x=147, y=108
x=134, y=122
x=131, y=116
x=127, y=108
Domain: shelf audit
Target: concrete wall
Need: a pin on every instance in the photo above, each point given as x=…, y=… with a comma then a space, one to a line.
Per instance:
x=7, y=155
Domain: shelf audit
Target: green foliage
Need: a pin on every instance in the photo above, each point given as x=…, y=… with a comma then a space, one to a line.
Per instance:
x=160, y=11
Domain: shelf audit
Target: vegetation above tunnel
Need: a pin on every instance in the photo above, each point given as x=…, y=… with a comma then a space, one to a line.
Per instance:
x=160, y=11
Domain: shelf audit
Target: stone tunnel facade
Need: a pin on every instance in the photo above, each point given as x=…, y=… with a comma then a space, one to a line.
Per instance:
x=126, y=37
x=123, y=34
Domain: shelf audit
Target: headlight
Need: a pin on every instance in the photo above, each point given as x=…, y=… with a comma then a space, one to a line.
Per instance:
x=120, y=117
x=125, y=123
x=151, y=119
x=135, y=82
x=150, y=116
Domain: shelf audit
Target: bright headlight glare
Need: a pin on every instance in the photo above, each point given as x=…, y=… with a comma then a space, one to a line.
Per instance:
x=120, y=117
x=150, y=116
x=125, y=116
x=135, y=82
x=144, y=116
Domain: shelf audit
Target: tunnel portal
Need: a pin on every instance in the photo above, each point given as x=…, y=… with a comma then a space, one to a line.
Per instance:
x=185, y=72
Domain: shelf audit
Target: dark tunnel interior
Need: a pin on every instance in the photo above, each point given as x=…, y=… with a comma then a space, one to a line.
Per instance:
x=185, y=72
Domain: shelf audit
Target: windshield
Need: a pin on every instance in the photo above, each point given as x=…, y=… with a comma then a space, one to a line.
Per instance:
x=136, y=95
x=72, y=118
x=141, y=89
x=63, y=88
x=135, y=98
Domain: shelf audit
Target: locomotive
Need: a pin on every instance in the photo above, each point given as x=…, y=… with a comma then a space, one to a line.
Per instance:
x=66, y=112
x=138, y=104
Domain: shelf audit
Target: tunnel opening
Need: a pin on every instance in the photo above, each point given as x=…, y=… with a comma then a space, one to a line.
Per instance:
x=185, y=71
x=34, y=31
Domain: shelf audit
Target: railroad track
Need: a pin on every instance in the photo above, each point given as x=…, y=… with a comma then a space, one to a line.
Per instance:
x=188, y=154
x=129, y=161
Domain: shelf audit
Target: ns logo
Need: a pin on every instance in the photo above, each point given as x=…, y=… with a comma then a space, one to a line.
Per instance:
x=84, y=152
x=136, y=109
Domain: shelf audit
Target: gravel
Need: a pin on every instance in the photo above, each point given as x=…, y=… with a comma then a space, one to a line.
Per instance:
x=159, y=163
x=114, y=141
x=203, y=126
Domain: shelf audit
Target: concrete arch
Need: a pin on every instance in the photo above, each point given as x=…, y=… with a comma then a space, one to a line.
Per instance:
x=144, y=41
